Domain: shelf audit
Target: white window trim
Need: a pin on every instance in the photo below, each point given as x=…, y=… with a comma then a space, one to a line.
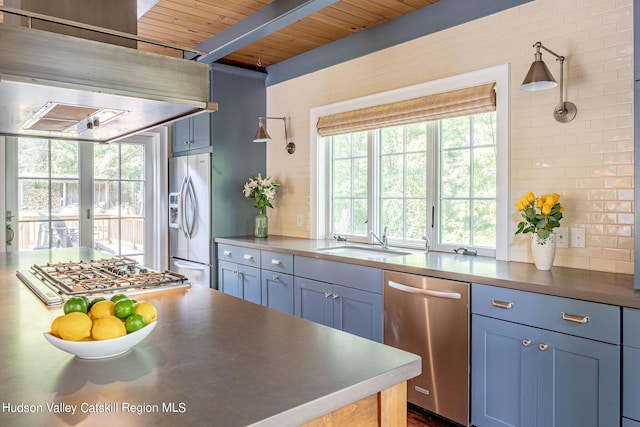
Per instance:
x=500, y=74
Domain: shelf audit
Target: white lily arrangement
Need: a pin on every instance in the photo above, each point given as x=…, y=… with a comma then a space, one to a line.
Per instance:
x=262, y=191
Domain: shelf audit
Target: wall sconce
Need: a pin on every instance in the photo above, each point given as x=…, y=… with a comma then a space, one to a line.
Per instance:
x=263, y=136
x=540, y=78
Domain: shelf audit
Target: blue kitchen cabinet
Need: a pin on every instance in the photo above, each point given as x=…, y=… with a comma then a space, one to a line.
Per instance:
x=526, y=375
x=192, y=134
x=239, y=272
x=313, y=300
x=631, y=367
x=240, y=281
x=344, y=296
x=277, y=281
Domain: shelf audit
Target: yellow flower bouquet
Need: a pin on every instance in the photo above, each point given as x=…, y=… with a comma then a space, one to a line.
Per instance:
x=541, y=215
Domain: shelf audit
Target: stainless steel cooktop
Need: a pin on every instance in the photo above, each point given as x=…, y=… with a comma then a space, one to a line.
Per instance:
x=54, y=283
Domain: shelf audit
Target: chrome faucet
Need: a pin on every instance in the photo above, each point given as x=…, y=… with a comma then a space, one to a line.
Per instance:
x=383, y=241
x=427, y=244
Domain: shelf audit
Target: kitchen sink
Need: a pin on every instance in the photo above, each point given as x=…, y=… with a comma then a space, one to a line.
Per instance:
x=363, y=252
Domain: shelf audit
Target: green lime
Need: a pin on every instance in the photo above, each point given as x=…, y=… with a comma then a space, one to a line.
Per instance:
x=86, y=300
x=94, y=301
x=118, y=297
x=124, y=308
x=75, y=304
x=134, y=322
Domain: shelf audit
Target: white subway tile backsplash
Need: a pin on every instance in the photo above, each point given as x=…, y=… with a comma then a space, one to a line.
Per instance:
x=588, y=161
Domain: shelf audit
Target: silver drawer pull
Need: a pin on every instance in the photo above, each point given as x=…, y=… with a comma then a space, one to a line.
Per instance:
x=275, y=277
x=574, y=318
x=543, y=347
x=248, y=257
x=526, y=343
x=276, y=262
x=501, y=304
x=227, y=253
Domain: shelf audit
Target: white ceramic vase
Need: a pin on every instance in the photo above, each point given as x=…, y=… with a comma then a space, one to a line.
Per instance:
x=543, y=250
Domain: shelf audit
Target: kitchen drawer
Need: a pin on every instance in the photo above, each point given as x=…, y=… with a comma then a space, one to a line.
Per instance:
x=240, y=255
x=602, y=321
x=630, y=382
x=631, y=327
x=277, y=261
x=351, y=275
x=626, y=422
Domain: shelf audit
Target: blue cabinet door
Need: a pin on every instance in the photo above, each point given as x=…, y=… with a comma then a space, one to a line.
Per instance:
x=228, y=281
x=200, y=131
x=181, y=136
x=313, y=301
x=358, y=312
x=277, y=291
x=503, y=373
x=578, y=381
x=526, y=376
x=250, y=283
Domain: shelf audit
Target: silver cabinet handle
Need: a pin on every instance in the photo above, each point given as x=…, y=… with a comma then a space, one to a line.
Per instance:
x=426, y=292
x=327, y=294
x=543, y=347
x=275, y=277
x=335, y=296
x=574, y=318
x=526, y=343
x=248, y=257
x=227, y=253
x=276, y=262
x=188, y=266
x=501, y=304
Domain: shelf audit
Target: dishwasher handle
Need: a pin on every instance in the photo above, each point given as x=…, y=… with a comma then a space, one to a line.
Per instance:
x=425, y=292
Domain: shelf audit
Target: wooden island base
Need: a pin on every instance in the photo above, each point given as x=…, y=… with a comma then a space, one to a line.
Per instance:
x=385, y=409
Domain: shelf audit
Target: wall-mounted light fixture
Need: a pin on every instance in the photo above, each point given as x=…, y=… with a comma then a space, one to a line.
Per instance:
x=263, y=136
x=540, y=78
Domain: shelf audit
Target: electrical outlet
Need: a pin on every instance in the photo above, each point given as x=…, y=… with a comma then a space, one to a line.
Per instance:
x=578, y=237
x=562, y=237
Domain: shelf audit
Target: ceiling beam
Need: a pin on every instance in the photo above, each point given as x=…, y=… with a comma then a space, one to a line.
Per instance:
x=265, y=21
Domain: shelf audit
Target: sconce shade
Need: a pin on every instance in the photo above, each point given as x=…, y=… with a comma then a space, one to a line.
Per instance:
x=538, y=78
x=261, y=134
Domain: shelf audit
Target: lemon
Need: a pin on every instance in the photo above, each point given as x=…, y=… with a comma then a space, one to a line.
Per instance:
x=55, y=326
x=102, y=309
x=107, y=328
x=147, y=310
x=75, y=326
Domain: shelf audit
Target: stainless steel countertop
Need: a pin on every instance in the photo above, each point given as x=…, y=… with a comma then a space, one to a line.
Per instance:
x=213, y=358
x=588, y=285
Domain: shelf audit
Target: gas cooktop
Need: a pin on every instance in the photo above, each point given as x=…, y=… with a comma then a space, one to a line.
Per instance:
x=55, y=283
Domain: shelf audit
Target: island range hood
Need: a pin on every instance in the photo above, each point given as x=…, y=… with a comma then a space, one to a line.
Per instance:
x=62, y=87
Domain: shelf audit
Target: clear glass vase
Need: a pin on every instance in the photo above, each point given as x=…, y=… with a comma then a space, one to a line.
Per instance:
x=261, y=228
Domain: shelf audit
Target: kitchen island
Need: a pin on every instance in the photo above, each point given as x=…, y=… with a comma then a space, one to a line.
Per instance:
x=212, y=360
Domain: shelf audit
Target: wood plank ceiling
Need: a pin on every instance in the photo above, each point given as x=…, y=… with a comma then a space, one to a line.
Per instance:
x=190, y=22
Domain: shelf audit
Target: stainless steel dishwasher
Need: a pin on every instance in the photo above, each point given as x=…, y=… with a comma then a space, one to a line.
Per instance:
x=430, y=317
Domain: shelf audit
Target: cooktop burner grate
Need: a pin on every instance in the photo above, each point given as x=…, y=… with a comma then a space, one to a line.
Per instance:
x=97, y=277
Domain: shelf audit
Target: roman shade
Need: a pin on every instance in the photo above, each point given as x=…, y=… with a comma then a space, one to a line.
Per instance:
x=461, y=102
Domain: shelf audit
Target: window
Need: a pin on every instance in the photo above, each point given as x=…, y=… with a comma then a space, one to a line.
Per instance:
x=105, y=196
x=443, y=178
x=460, y=208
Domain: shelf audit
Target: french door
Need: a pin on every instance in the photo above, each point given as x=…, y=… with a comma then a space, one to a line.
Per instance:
x=63, y=194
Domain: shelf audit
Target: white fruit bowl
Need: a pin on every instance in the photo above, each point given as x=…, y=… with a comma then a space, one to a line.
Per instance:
x=101, y=348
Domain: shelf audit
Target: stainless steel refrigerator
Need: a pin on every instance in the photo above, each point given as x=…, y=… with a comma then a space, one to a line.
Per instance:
x=190, y=236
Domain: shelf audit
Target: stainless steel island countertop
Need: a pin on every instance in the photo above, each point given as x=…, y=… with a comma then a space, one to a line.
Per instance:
x=212, y=360
x=588, y=285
